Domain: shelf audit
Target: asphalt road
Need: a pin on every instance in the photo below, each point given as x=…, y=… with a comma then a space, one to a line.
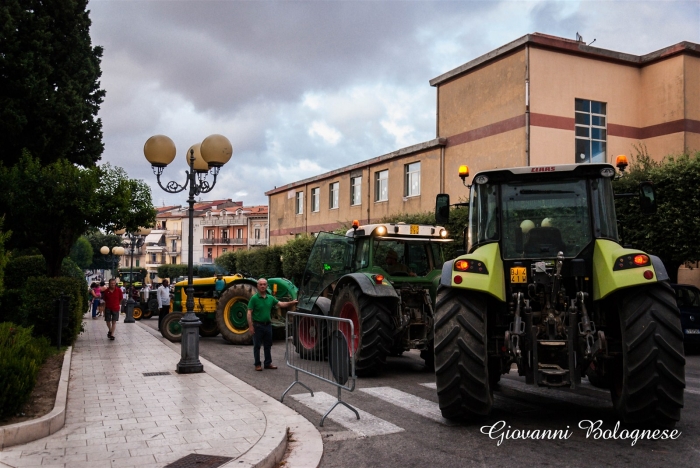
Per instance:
x=400, y=425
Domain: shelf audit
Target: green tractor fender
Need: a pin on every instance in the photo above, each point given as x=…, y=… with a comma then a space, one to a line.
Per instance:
x=491, y=278
x=612, y=269
x=282, y=289
x=368, y=286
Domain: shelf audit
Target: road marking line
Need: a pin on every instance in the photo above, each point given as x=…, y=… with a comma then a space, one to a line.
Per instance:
x=432, y=385
x=367, y=426
x=412, y=403
x=692, y=390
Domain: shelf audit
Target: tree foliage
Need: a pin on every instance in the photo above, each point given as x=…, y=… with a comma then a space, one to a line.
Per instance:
x=50, y=207
x=4, y=256
x=81, y=253
x=49, y=82
x=673, y=233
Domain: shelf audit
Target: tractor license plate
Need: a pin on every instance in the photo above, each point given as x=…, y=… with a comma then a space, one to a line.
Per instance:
x=518, y=275
x=692, y=331
x=414, y=229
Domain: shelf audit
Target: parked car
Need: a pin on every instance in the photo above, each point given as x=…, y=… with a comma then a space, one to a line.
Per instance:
x=688, y=300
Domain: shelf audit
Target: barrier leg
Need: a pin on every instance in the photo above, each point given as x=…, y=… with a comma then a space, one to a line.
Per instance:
x=296, y=381
x=339, y=402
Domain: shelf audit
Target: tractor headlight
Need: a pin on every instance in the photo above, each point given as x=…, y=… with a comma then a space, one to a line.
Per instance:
x=381, y=231
x=443, y=233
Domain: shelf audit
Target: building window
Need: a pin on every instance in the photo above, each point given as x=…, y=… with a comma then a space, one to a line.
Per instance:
x=224, y=250
x=210, y=233
x=381, y=186
x=257, y=233
x=412, y=180
x=137, y=262
x=315, y=199
x=299, y=203
x=356, y=190
x=591, y=131
x=334, y=190
x=153, y=258
x=239, y=233
x=173, y=245
x=173, y=260
x=224, y=234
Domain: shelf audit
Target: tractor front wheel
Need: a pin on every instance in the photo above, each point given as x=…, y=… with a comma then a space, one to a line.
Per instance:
x=648, y=379
x=373, y=327
x=138, y=313
x=171, y=328
x=461, y=358
x=232, y=314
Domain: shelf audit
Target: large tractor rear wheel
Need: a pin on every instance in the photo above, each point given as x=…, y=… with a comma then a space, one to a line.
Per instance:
x=171, y=328
x=310, y=337
x=373, y=326
x=461, y=359
x=232, y=314
x=647, y=381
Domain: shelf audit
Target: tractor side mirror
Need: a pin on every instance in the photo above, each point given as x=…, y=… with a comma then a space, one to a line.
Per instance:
x=647, y=197
x=442, y=209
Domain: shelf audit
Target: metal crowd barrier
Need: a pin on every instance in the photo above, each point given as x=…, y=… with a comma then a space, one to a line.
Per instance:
x=324, y=348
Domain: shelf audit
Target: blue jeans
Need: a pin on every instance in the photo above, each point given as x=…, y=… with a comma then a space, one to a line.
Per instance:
x=95, y=304
x=262, y=337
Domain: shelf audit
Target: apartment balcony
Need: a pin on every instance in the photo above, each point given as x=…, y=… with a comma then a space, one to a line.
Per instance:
x=155, y=264
x=206, y=260
x=224, y=241
x=173, y=234
x=227, y=221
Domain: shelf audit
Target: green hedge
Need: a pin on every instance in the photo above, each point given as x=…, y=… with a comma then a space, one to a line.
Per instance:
x=39, y=297
x=21, y=357
x=18, y=269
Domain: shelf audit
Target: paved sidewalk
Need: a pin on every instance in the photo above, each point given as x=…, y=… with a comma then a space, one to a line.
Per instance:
x=117, y=417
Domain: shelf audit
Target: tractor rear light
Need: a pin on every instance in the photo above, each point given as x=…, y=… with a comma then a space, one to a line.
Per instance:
x=458, y=279
x=631, y=261
x=648, y=274
x=641, y=260
x=461, y=265
x=378, y=279
x=471, y=266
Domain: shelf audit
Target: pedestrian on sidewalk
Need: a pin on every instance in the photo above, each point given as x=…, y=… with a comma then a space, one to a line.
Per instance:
x=163, y=302
x=101, y=307
x=96, y=296
x=259, y=322
x=113, y=298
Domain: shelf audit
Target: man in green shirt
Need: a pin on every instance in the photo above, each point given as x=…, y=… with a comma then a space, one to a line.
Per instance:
x=259, y=322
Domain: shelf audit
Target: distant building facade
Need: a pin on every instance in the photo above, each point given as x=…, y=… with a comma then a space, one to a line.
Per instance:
x=537, y=101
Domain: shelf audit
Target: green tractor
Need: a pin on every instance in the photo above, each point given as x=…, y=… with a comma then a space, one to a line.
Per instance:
x=546, y=285
x=224, y=310
x=384, y=278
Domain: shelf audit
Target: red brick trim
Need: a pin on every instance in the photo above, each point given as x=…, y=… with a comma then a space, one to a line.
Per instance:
x=551, y=121
x=486, y=131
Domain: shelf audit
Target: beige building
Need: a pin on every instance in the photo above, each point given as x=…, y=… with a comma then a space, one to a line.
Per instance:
x=537, y=101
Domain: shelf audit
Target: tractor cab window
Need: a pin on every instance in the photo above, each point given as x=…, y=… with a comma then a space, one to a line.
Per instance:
x=483, y=215
x=604, y=220
x=542, y=219
x=438, y=255
x=402, y=258
x=361, y=254
x=330, y=258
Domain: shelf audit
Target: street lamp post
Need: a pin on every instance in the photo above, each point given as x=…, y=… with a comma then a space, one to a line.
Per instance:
x=136, y=240
x=117, y=252
x=202, y=158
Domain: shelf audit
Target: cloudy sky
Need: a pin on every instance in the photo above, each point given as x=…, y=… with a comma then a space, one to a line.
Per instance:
x=304, y=87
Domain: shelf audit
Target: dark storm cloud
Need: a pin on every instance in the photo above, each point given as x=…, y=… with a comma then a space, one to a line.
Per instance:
x=302, y=88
